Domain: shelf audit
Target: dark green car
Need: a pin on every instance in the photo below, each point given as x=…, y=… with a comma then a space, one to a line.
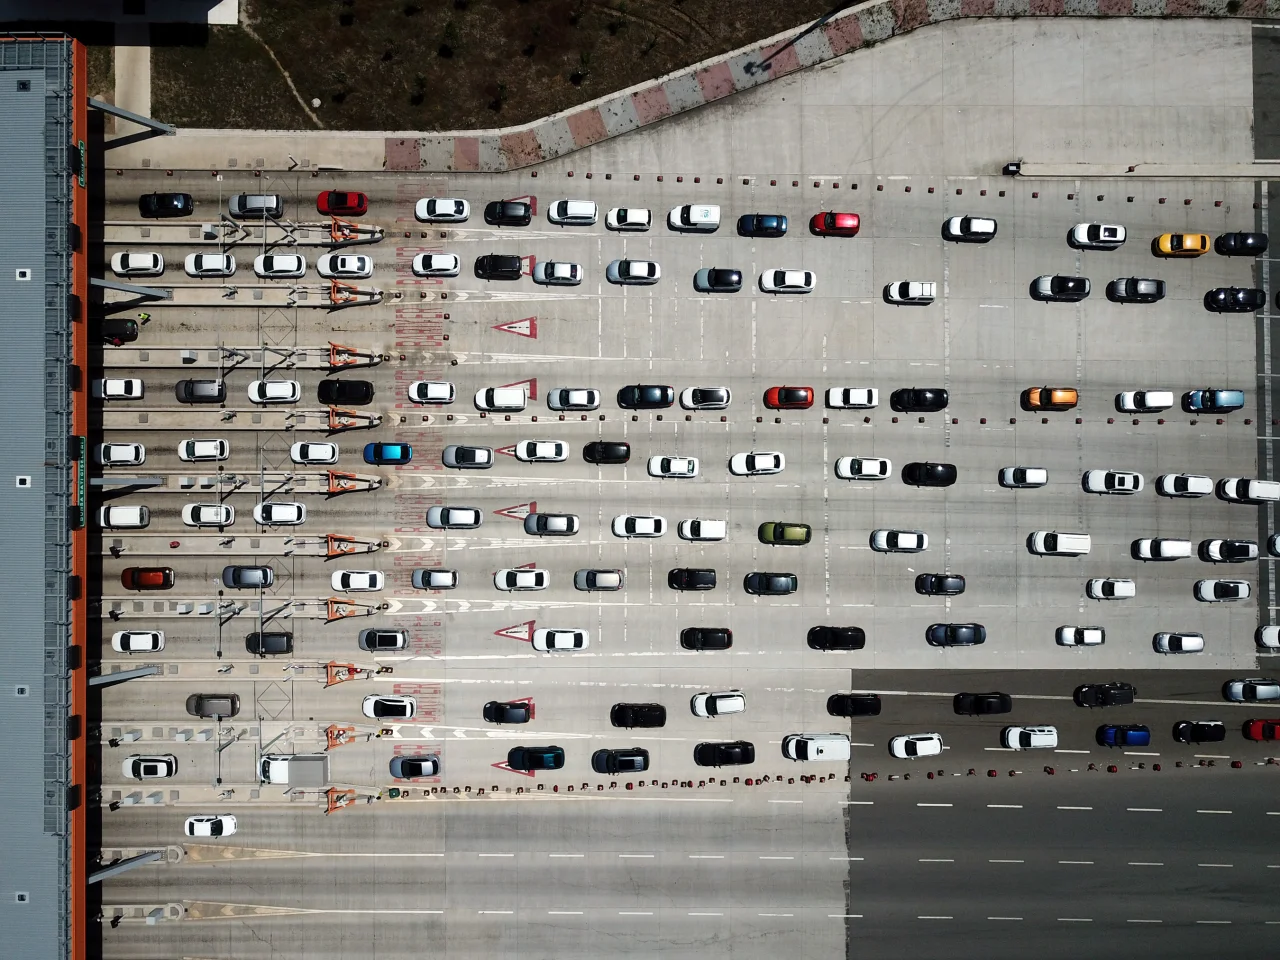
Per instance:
x=788, y=534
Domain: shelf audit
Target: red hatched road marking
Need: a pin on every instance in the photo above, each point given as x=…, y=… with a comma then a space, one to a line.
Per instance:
x=528, y=327
x=507, y=451
x=532, y=384
x=519, y=511
x=505, y=766
x=518, y=631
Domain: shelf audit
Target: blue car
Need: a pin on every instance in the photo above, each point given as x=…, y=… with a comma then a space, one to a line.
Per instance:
x=762, y=225
x=1123, y=735
x=1209, y=400
x=380, y=454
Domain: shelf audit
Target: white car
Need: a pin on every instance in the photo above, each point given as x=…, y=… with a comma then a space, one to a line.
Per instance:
x=899, y=541
x=275, y=391
x=431, y=391
x=120, y=454
x=208, y=514
x=159, y=767
x=1222, y=591
x=223, y=825
x=853, y=398
x=345, y=266
x=389, y=707
x=436, y=578
x=442, y=210
x=357, y=581
x=915, y=745
x=787, y=281
x=1110, y=589
x=118, y=389
x=673, y=466
x=454, y=518
x=863, y=468
x=573, y=398
x=1268, y=638
x=1096, y=236
x=702, y=529
x=1144, y=401
x=628, y=218
x=551, y=640
x=705, y=398
x=575, y=213
x=708, y=705
x=210, y=265
x=1072, y=636
x=1023, y=477
x=970, y=229
x=521, y=579
x=919, y=292
x=757, y=463
x=557, y=273
x=631, y=525
x=1178, y=643
x=279, y=265
x=1112, y=481
x=436, y=265
x=1183, y=485
x=542, y=451
x=137, y=641
x=280, y=513
x=137, y=264
x=311, y=452
x=633, y=272
x=124, y=517
x=195, y=451
x=1029, y=738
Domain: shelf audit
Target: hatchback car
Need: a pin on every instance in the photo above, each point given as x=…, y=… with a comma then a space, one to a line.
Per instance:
x=513, y=711
x=919, y=399
x=498, y=266
x=708, y=705
x=542, y=451
x=1221, y=591
x=120, y=454
x=717, y=280
x=375, y=640
x=197, y=451
x=557, y=273
x=342, y=203
x=147, y=578
x=854, y=705
x=432, y=391
x=863, y=468
x=387, y=454
x=1178, y=643
x=411, y=768
x=137, y=641
x=628, y=219
x=208, y=514
x=646, y=396
x=357, y=581
x=573, y=398
x=1109, y=588
x=899, y=541
x=222, y=825
x=1181, y=245
x=929, y=474
x=691, y=578
x=309, y=453
x=454, y=518
x=279, y=266
x=969, y=229
x=280, y=513
x=955, y=634
x=1261, y=730
x=1183, y=485
x=1060, y=289
x=706, y=638
x=388, y=707
x=1096, y=236
x=442, y=210
x=1212, y=400
x=1199, y=731
x=776, y=532
x=1113, y=694
x=551, y=524
x=788, y=398
x=940, y=584
x=673, y=467
x=345, y=266
x=1251, y=690
x=638, y=715
x=1240, y=244
x=981, y=704
x=436, y=265
x=353, y=392
x=1235, y=299
x=275, y=391
x=1135, y=290
x=159, y=767
x=461, y=457
x=736, y=753
x=1072, y=636
x=916, y=745
x=550, y=640
x=598, y=580
x=508, y=213
x=1228, y=551
x=831, y=224
x=247, y=577
x=764, y=584
x=213, y=705
x=853, y=398
x=521, y=579
x=633, y=272
x=606, y=451
x=705, y=398
x=118, y=330
x=163, y=205
x=630, y=525
x=762, y=225
x=269, y=643
x=757, y=463
x=200, y=391
x=112, y=389
x=787, y=281
x=836, y=638
x=535, y=758
x=137, y=264
x=626, y=760
x=434, y=578
x=1111, y=481
x=1123, y=735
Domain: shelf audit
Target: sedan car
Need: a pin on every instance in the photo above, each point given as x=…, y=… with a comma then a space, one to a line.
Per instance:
x=757, y=464
x=708, y=705
x=1113, y=694
x=762, y=225
x=342, y=203
x=411, y=768
x=1212, y=400
x=1096, y=236
x=305, y=452
x=199, y=451
x=275, y=391
x=593, y=580
x=1109, y=588
x=147, y=578
x=1060, y=289
x=763, y=584
x=521, y=579
x=863, y=468
x=345, y=266
x=442, y=210
x=853, y=398
x=159, y=767
x=436, y=265
x=831, y=224
x=434, y=578
x=357, y=581
x=432, y=391
x=551, y=524
x=736, y=753
x=626, y=760
x=1071, y=636
x=691, y=578
x=629, y=525
x=208, y=514
x=899, y=541
x=777, y=532
x=1261, y=730
x=637, y=272
x=206, y=265
x=836, y=638
x=1123, y=735
x=915, y=745
x=389, y=707
x=137, y=641
x=673, y=466
x=717, y=280
x=1199, y=731
x=120, y=454
x=969, y=229
x=705, y=398
x=1235, y=299
x=276, y=266
x=513, y=711
x=929, y=474
x=606, y=451
x=1178, y=643
x=551, y=640
x=508, y=213
x=157, y=206
x=112, y=389
x=981, y=704
x=919, y=399
x=854, y=705
x=787, y=281
x=387, y=454
x=1111, y=481
x=354, y=392
x=454, y=518
x=573, y=398
x=706, y=638
x=222, y=825
x=788, y=398
x=646, y=396
x=1135, y=290
x=535, y=758
x=1241, y=244
x=1221, y=591
x=280, y=513
x=467, y=458
x=940, y=584
x=1181, y=245
x=557, y=273
x=955, y=634
x=1251, y=690
x=542, y=451
x=247, y=577
x=1228, y=551
x=1183, y=485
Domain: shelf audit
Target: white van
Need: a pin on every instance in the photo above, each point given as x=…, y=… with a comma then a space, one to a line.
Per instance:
x=699, y=529
x=505, y=399
x=703, y=217
x=1050, y=543
x=124, y=517
x=816, y=746
x=572, y=213
x=1161, y=548
x=1244, y=490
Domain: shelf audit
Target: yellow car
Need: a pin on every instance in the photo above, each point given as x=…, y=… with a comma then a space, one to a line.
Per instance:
x=791, y=534
x=1182, y=244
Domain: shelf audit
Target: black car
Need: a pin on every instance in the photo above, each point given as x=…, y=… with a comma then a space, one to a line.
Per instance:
x=535, y=758
x=762, y=584
x=939, y=584
x=118, y=329
x=929, y=474
x=606, y=451
x=638, y=715
x=1235, y=300
x=981, y=704
x=1060, y=289
x=499, y=266
x=919, y=399
x=854, y=705
x=158, y=206
x=1113, y=694
x=706, y=638
x=1135, y=290
x=955, y=634
x=1240, y=244
x=626, y=760
x=508, y=213
x=269, y=643
x=517, y=711
x=762, y=225
x=1200, y=731
x=691, y=578
x=345, y=391
x=724, y=754
x=837, y=638
x=646, y=396
x=200, y=391
x=718, y=280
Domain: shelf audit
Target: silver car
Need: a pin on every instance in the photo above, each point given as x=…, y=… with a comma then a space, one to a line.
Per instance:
x=454, y=518
x=557, y=273
x=551, y=524
x=434, y=578
x=573, y=398
x=467, y=458
x=593, y=580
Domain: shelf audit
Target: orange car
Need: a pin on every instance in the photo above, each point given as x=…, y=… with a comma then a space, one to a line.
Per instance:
x=1182, y=244
x=1050, y=398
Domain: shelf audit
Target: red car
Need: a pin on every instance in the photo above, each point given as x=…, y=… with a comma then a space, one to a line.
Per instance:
x=788, y=398
x=1261, y=730
x=835, y=224
x=339, y=203
x=147, y=578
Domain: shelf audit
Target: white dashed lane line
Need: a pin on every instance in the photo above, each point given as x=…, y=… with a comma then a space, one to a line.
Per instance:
x=935, y=804
x=635, y=856
x=776, y=858
x=1213, y=811
x=1005, y=861
x=1075, y=808
x=927, y=860
x=1079, y=863
x=1215, y=864
x=1145, y=863
x=1145, y=809
x=1004, y=806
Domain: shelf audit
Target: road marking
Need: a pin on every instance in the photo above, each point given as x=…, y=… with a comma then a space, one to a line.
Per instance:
x=1145, y=809
x=1218, y=922
x=566, y=855
x=635, y=856
x=935, y=804
x=1004, y=918
x=495, y=854
x=786, y=801
x=777, y=858
x=1215, y=864
x=1070, y=751
x=1145, y=863
x=851, y=916
x=925, y=860
x=935, y=918
x=705, y=914
x=1144, y=921
x=564, y=913
x=775, y=914
x=1273, y=813
x=846, y=858
x=1085, y=863
x=1075, y=808
x=1004, y=806
x=857, y=803
x=1075, y=919
x=1005, y=861
x=1134, y=753
x=1213, y=811
x=706, y=856
x=635, y=913
x=1212, y=756
x=501, y=913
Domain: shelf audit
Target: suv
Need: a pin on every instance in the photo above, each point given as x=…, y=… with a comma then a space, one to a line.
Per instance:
x=535, y=758
x=638, y=715
x=706, y=638
x=200, y=391
x=981, y=704
x=1050, y=398
x=508, y=213
x=499, y=266
x=163, y=205
x=274, y=642
x=375, y=640
x=213, y=704
x=854, y=705
x=1212, y=400
x=357, y=392
x=607, y=451
x=1199, y=731
x=1114, y=694
x=691, y=578
x=836, y=638
x=626, y=760
x=735, y=753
